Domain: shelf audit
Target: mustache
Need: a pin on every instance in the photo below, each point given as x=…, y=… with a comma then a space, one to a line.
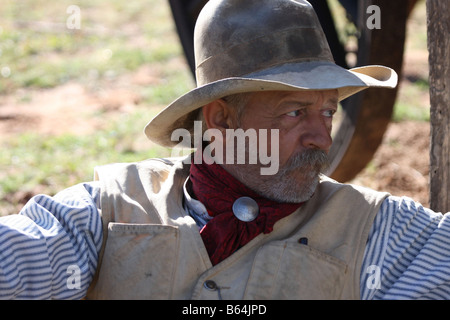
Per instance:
x=314, y=159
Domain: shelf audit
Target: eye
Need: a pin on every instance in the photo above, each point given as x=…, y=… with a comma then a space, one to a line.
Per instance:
x=295, y=113
x=329, y=113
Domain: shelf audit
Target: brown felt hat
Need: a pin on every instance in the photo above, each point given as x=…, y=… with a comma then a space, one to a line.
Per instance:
x=260, y=45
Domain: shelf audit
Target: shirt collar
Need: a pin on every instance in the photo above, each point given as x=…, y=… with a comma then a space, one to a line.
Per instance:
x=195, y=208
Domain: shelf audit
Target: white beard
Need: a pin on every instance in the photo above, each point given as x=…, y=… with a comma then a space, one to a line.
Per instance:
x=294, y=182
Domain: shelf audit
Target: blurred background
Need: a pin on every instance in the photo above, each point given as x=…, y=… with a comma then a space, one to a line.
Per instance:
x=79, y=82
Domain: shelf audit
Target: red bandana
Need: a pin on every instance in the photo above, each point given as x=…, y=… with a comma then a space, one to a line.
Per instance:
x=217, y=190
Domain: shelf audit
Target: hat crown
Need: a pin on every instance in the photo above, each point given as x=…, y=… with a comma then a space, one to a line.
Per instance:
x=234, y=38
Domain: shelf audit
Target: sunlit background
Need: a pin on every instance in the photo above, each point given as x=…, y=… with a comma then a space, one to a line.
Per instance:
x=78, y=82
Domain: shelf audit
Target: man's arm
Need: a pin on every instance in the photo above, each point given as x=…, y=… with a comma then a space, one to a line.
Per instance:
x=408, y=253
x=50, y=249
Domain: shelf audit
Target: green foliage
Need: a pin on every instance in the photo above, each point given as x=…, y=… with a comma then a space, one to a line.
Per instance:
x=114, y=37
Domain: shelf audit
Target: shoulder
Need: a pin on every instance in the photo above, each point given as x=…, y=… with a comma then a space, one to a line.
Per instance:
x=156, y=168
x=153, y=164
x=354, y=192
x=404, y=210
x=135, y=191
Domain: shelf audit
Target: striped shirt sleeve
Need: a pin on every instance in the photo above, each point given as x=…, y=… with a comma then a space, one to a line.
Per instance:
x=408, y=253
x=49, y=250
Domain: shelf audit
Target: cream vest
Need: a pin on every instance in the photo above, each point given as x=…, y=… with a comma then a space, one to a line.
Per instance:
x=152, y=249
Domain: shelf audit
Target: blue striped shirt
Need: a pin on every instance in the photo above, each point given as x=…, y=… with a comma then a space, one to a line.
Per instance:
x=50, y=249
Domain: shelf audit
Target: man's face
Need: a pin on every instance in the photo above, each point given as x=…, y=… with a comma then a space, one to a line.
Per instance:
x=303, y=120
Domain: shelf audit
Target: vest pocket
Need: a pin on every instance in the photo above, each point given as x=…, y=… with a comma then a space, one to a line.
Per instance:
x=138, y=262
x=283, y=270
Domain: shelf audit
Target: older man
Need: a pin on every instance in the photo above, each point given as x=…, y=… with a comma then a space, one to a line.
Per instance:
x=211, y=226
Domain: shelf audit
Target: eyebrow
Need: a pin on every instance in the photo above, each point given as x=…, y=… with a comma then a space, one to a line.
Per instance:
x=306, y=103
x=290, y=103
x=333, y=101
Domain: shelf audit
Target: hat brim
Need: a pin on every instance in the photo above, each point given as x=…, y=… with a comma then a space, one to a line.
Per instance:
x=315, y=75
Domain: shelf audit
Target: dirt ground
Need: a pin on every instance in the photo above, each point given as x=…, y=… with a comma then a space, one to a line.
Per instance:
x=400, y=165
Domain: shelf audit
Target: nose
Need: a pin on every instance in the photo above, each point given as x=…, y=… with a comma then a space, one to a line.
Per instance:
x=317, y=134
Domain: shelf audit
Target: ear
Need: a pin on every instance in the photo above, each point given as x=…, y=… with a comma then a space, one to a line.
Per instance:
x=218, y=115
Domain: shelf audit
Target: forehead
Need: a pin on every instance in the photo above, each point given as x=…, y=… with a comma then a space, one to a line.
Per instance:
x=300, y=95
x=273, y=99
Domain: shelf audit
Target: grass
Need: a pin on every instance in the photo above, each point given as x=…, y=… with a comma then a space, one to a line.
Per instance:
x=42, y=52
x=403, y=112
x=115, y=38
x=413, y=99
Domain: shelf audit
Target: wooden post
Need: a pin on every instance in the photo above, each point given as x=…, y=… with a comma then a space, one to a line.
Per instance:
x=438, y=22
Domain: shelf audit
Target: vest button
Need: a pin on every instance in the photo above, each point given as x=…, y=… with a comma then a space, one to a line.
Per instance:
x=245, y=209
x=210, y=285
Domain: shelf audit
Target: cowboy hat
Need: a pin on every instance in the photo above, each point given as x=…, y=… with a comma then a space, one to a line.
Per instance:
x=260, y=45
